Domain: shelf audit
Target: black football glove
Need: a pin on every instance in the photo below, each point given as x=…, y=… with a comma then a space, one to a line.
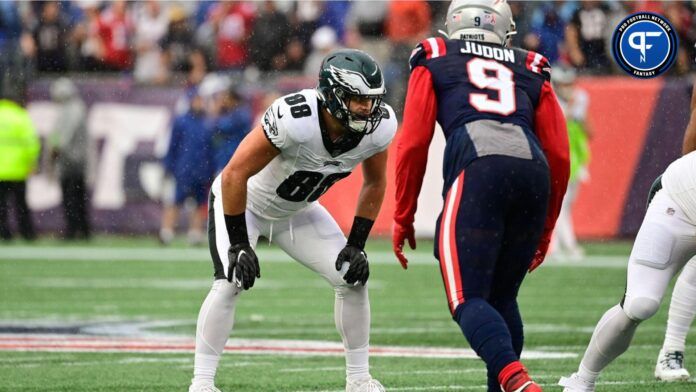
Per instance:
x=359, y=269
x=244, y=266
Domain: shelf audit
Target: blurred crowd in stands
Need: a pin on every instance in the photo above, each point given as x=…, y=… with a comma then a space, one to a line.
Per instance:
x=154, y=41
x=234, y=58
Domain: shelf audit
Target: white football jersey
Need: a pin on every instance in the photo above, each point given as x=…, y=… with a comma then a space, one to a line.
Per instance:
x=309, y=163
x=679, y=180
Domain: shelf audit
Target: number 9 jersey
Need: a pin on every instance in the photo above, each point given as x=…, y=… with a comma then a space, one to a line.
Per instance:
x=490, y=100
x=309, y=163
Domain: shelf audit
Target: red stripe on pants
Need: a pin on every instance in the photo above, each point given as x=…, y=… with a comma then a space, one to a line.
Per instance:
x=449, y=258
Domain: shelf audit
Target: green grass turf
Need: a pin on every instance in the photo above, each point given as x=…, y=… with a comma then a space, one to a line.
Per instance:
x=560, y=306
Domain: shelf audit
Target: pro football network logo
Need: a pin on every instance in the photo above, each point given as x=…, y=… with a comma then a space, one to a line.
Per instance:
x=644, y=45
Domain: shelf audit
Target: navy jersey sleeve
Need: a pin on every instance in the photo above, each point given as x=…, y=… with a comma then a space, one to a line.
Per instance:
x=536, y=69
x=538, y=64
x=417, y=57
x=428, y=49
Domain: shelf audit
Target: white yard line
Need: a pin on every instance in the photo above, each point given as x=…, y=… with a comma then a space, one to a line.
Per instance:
x=272, y=255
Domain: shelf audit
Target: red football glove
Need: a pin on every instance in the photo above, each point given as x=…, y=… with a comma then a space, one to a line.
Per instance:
x=400, y=234
x=540, y=254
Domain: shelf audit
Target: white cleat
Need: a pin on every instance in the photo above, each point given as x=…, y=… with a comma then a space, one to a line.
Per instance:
x=203, y=388
x=364, y=385
x=670, y=367
x=576, y=384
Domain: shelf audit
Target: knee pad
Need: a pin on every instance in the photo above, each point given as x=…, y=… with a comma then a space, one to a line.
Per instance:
x=348, y=290
x=640, y=308
x=225, y=290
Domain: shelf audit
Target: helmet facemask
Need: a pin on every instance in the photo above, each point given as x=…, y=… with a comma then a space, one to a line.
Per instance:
x=355, y=122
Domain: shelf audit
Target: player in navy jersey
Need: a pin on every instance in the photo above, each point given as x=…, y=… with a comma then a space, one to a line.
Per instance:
x=505, y=172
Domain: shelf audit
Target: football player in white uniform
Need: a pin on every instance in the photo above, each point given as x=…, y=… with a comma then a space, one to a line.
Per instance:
x=665, y=244
x=682, y=308
x=307, y=142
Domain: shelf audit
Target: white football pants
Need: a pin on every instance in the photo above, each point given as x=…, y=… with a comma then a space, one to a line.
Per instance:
x=311, y=237
x=665, y=242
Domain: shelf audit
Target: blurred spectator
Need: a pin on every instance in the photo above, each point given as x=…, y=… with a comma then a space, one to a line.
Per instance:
x=230, y=25
x=202, y=11
x=16, y=46
x=682, y=18
x=188, y=162
x=232, y=121
x=407, y=24
x=51, y=37
x=654, y=6
x=334, y=15
x=269, y=37
x=324, y=41
x=438, y=12
x=365, y=28
x=367, y=17
x=549, y=34
x=68, y=150
x=585, y=37
x=150, y=26
x=210, y=87
x=198, y=67
x=306, y=17
x=574, y=102
x=86, y=35
x=178, y=43
x=19, y=151
x=115, y=30
x=294, y=57
x=523, y=15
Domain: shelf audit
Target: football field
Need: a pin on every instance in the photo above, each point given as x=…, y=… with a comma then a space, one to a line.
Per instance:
x=119, y=314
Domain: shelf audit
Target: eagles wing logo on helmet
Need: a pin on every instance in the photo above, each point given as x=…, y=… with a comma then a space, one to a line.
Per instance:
x=354, y=82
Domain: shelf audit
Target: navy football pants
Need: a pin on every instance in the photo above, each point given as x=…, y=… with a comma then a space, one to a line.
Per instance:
x=487, y=233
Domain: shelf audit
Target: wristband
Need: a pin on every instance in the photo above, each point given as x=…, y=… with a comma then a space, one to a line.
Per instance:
x=236, y=229
x=360, y=231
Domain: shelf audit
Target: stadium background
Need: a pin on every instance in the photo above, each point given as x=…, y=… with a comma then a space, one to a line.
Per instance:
x=118, y=313
x=266, y=48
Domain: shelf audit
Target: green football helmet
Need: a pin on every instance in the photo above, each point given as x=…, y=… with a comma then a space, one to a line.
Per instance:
x=348, y=74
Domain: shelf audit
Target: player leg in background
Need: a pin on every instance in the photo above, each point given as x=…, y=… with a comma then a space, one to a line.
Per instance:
x=5, y=233
x=216, y=317
x=682, y=309
x=564, y=244
x=24, y=219
x=171, y=201
x=197, y=216
x=313, y=238
x=66, y=186
x=663, y=245
x=469, y=241
x=74, y=206
x=81, y=207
